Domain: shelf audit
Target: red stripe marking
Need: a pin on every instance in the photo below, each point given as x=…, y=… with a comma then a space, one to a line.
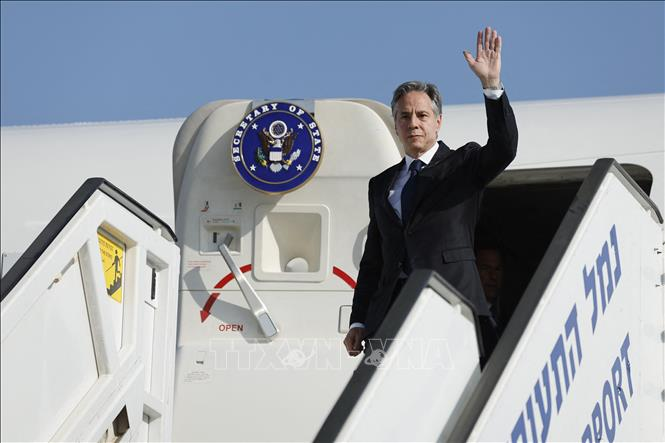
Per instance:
x=344, y=276
x=228, y=277
x=205, y=312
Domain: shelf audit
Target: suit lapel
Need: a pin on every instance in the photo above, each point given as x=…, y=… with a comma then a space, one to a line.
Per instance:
x=427, y=179
x=442, y=152
x=384, y=190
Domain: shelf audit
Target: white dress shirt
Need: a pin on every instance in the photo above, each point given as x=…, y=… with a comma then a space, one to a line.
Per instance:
x=395, y=193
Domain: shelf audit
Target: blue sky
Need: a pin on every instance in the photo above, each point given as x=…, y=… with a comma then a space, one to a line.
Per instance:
x=95, y=61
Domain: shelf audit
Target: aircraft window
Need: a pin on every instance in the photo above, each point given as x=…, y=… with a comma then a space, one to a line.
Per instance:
x=520, y=212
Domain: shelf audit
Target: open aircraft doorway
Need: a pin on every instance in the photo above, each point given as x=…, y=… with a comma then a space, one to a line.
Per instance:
x=521, y=212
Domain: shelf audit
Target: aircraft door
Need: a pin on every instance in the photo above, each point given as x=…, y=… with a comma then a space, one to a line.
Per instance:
x=271, y=216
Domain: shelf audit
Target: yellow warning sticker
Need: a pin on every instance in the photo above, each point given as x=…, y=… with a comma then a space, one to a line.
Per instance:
x=113, y=263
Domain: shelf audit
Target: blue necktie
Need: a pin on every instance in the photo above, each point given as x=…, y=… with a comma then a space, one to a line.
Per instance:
x=409, y=190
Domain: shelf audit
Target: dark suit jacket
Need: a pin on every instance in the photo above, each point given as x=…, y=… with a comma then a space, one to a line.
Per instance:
x=440, y=233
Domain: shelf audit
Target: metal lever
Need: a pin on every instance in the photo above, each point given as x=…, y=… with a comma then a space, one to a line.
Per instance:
x=255, y=303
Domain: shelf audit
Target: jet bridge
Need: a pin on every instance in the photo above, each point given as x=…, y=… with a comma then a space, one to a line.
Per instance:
x=582, y=358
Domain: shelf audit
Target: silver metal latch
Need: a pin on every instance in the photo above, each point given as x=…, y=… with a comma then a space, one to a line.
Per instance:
x=256, y=305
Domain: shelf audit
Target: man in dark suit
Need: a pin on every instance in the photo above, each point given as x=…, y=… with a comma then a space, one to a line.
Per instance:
x=423, y=210
x=490, y=267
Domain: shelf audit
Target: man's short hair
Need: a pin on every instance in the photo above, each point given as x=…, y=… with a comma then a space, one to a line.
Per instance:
x=428, y=88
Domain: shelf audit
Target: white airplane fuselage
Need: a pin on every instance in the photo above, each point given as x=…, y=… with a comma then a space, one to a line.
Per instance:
x=41, y=166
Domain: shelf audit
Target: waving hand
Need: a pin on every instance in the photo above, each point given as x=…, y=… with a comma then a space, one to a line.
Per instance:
x=487, y=63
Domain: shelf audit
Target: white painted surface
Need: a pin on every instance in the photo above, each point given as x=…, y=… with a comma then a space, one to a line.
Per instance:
x=421, y=381
x=48, y=361
x=320, y=222
x=42, y=166
x=64, y=377
x=576, y=132
x=569, y=385
x=286, y=233
x=48, y=163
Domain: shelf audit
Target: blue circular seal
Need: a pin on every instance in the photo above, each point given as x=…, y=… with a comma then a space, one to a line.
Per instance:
x=277, y=147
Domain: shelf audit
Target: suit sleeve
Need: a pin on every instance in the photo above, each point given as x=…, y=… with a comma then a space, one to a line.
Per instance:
x=501, y=146
x=370, y=268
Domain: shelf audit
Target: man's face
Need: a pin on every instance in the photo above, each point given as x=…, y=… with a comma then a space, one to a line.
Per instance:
x=416, y=124
x=490, y=269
